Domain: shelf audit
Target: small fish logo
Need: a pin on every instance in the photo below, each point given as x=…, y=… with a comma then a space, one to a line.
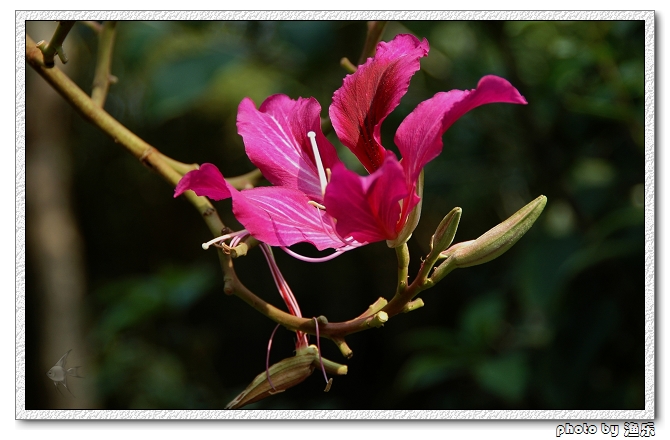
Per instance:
x=59, y=374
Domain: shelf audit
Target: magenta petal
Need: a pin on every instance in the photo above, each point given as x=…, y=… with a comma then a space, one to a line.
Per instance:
x=371, y=93
x=206, y=181
x=282, y=217
x=275, y=137
x=419, y=137
x=367, y=208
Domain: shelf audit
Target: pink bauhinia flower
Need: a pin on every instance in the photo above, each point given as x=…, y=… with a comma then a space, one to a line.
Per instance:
x=315, y=198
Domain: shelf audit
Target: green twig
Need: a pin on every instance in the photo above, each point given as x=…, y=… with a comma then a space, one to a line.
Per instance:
x=374, y=308
x=246, y=181
x=180, y=167
x=374, y=35
x=348, y=65
x=413, y=305
x=402, y=253
x=103, y=76
x=55, y=45
x=93, y=25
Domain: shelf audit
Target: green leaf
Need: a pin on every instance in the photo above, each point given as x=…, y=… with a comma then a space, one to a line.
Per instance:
x=178, y=84
x=482, y=322
x=505, y=377
x=426, y=370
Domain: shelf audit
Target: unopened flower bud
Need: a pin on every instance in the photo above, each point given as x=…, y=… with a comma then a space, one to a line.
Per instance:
x=446, y=230
x=284, y=375
x=498, y=240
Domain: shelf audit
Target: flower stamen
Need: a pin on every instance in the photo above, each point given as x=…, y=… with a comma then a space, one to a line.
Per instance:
x=319, y=165
x=329, y=382
x=217, y=241
x=316, y=205
x=335, y=254
x=267, y=358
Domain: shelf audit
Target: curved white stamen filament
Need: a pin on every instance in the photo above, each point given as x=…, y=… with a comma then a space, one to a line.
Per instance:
x=224, y=237
x=319, y=165
x=318, y=345
x=336, y=254
x=267, y=358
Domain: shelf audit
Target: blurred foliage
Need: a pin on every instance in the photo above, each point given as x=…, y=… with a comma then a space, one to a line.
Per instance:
x=556, y=323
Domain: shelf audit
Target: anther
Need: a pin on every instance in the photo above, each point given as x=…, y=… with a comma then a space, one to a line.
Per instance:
x=206, y=246
x=316, y=205
x=319, y=165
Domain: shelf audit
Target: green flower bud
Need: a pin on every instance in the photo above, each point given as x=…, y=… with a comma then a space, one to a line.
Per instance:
x=446, y=230
x=498, y=240
x=285, y=374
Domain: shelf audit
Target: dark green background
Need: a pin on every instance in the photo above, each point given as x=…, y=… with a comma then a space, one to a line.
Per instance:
x=556, y=323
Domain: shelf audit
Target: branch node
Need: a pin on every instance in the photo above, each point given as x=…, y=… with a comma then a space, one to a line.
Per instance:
x=228, y=287
x=239, y=251
x=344, y=348
x=413, y=305
x=145, y=155
x=61, y=55
x=379, y=319
x=374, y=308
x=55, y=45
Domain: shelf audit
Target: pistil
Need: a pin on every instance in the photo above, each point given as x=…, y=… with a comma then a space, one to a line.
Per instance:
x=319, y=165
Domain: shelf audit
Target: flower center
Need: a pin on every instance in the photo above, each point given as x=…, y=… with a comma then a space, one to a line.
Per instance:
x=319, y=165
